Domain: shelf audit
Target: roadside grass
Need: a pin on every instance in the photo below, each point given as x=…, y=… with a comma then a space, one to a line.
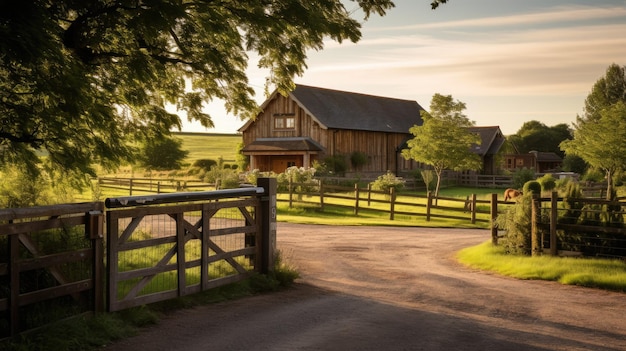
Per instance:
x=588, y=272
x=87, y=332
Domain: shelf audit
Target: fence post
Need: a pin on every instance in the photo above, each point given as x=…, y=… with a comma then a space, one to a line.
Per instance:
x=535, y=239
x=321, y=195
x=494, y=216
x=95, y=229
x=369, y=194
x=392, y=205
x=356, y=199
x=268, y=223
x=290, y=193
x=553, y=219
x=130, y=187
x=429, y=203
x=473, y=208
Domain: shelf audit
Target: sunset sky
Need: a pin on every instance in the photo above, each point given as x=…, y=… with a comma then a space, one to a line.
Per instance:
x=510, y=61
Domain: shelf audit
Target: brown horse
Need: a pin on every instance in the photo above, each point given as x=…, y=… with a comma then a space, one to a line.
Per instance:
x=511, y=194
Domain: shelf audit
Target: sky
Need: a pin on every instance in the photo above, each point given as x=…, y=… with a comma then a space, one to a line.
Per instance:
x=509, y=61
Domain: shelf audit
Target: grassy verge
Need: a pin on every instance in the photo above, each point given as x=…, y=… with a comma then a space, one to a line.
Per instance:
x=588, y=272
x=91, y=333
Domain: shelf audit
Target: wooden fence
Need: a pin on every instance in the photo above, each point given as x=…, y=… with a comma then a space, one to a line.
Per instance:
x=557, y=229
x=52, y=260
x=152, y=185
x=51, y=256
x=360, y=199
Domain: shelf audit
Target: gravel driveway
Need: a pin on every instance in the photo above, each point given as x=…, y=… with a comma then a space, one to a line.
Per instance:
x=387, y=288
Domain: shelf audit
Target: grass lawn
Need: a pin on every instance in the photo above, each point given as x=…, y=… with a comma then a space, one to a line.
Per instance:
x=210, y=146
x=590, y=272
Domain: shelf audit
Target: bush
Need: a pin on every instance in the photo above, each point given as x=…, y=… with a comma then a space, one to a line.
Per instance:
x=532, y=186
x=205, y=164
x=297, y=175
x=547, y=182
x=358, y=159
x=516, y=222
x=388, y=181
x=336, y=165
x=521, y=176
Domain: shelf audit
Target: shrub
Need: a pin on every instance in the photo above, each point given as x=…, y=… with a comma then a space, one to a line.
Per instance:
x=532, y=186
x=521, y=176
x=336, y=164
x=388, y=181
x=358, y=159
x=297, y=175
x=516, y=222
x=205, y=164
x=547, y=182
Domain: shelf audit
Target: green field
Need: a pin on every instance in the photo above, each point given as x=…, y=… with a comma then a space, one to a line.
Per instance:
x=210, y=146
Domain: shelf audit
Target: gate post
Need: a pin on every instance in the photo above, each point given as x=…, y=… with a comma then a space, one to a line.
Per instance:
x=268, y=223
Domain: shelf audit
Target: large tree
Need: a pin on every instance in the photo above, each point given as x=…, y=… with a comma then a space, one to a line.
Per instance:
x=606, y=92
x=443, y=141
x=602, y=143
x=536, y=136
x=84, y=79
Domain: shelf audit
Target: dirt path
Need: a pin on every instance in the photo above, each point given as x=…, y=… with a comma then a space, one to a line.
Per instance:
x=386, y=288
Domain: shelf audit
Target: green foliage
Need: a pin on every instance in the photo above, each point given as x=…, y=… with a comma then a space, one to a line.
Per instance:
x=242, y=161
x=205, y=164
x=606, y=92
x=443, y=141
x=532, y=187
x=516, y=222
x=428, y=176
x=162, y=153
x=224, y=178
x=336, y=165
x=599, y=135
x=573, y=163
x=593, y=175
x=358, y=159
x=536, y=136
x=303, y=176
x=547, y=182
x=83, y=80
x=521, y=176
x=20, y=188
x=387, y=181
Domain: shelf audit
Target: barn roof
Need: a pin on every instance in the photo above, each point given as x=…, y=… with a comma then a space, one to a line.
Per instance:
x=491, y=138
x=337, y=109
x=345, y=110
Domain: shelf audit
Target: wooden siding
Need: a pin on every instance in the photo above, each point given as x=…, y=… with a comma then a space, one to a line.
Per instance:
x=380, y=147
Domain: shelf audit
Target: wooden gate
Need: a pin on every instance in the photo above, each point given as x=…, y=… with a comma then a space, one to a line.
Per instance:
x=165, y=246
x=50, y=264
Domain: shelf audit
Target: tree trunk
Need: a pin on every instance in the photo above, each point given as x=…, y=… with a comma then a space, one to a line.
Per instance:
x=609, y=185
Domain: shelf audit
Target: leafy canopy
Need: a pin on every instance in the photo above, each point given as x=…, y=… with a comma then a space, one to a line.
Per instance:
x=600, y=133
x=602, y=143
x=84, y=79
x=443, y=141
x=536, y=136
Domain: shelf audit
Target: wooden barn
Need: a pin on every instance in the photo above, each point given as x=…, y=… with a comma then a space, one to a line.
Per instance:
x=492, y=141
x=315, y=123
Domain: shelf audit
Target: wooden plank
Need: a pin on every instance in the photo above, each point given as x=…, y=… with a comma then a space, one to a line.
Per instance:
x=55, y=259
x=34, y=226
x=73, y=289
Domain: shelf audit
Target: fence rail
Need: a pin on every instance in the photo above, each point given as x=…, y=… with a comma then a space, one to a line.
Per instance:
x=158, y=247
x=367, y=199
x=151, y=185
x=588, y=229
x=50, y=256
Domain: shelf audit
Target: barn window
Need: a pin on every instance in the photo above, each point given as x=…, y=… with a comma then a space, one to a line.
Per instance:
x=284, y=121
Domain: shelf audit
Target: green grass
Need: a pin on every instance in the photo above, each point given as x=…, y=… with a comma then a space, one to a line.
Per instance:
x=210, y=146
x=588, y=272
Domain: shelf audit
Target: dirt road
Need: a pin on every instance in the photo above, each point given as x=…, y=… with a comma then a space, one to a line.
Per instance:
x=386, y=288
